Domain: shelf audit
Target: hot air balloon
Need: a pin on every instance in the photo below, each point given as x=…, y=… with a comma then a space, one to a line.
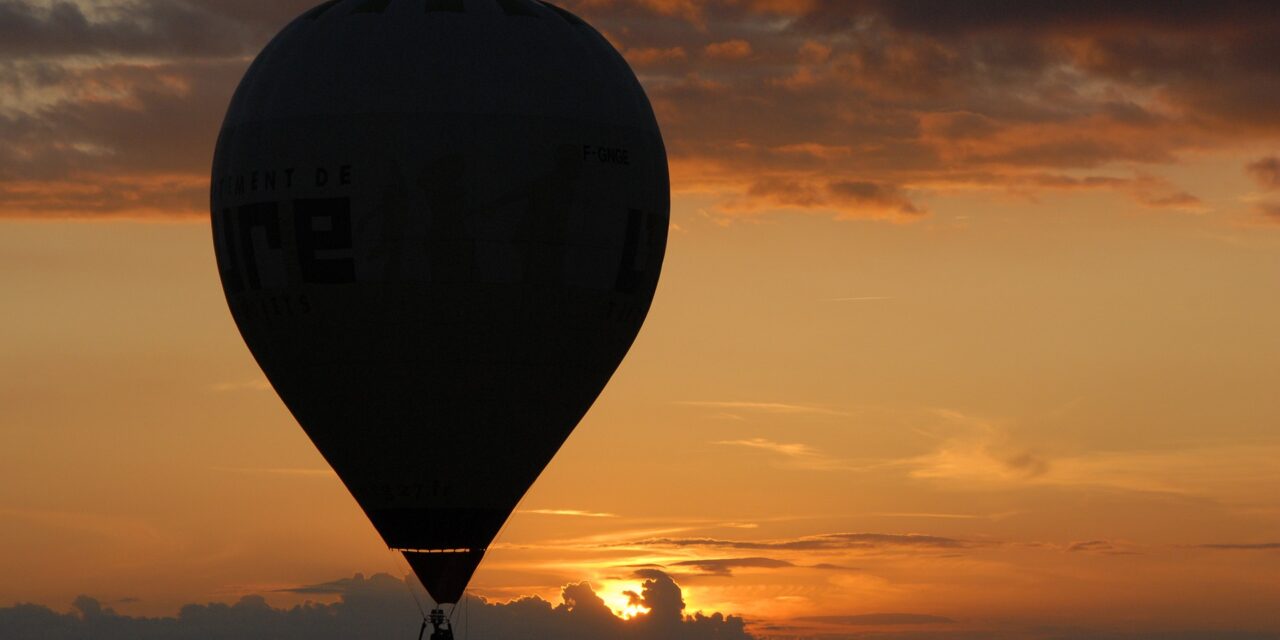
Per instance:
x=439, y=225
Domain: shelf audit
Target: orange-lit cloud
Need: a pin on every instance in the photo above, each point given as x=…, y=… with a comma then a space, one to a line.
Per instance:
x=729, y=49
x=1266, y=171
x=767, y=106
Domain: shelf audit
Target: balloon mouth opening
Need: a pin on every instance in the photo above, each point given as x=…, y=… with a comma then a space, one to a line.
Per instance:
x=407, y=550
x=444, y=572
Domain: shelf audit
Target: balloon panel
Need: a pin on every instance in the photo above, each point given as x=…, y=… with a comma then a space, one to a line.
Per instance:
x=439, y=226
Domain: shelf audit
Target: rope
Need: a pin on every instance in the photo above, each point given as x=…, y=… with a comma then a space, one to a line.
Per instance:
x=409, y=586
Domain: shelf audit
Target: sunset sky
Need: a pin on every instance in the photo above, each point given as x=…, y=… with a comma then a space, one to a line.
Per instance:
x=968, y=316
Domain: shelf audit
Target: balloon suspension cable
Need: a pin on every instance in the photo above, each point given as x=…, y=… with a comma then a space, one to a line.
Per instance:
x=416, y=600
x=408, y=585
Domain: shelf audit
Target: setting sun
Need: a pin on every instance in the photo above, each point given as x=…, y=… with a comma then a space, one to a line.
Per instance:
x=622, y=597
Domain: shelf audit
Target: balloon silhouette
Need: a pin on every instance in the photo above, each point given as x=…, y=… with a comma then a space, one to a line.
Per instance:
x=439, y=226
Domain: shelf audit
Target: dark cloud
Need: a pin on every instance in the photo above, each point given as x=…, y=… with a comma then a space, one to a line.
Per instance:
x=855, y=198
x=878, y=619
x=1027, y=465
x=133, y=138
x=148, y=27
x=858, y=108
x=379, y=607
x=827, y=566
x=1101, y=547
x=1089, y=545
x=725, y=566
x=983, y=17
x=910, y=97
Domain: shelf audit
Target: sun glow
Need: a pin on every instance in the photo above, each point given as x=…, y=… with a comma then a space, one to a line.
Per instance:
x=623, y=598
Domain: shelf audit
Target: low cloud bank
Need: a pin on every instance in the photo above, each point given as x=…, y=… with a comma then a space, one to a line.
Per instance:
x=379, y=607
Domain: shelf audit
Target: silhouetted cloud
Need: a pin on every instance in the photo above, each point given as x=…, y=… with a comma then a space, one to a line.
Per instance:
x=379, y=607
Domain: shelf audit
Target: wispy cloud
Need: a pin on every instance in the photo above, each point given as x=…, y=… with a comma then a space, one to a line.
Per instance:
x=725, y=566
x=280, y=471
x=789, y=450
x=822, y=542
x=794, y=455
x=940, y=516
x=569, y=512
x=1104, y=547
x=979, y=451
x=878, y=619
x=766, y=407
x=1257, y=546
x=113, y=527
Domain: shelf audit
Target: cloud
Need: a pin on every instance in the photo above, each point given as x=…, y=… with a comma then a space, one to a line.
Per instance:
x=822, y=542
x=976, y=452
x=148, y=27
x=802, y=451
x=112, y=110
x=1270, y=211
x=648, y=56
x=1090, y=545
x=768, y=407
x=920, y=101
x=379, y=607
x=794, y=455
x=724, y=566
x=569, y=512
x=878, y=619
x=848, y=198
x=97, y=525
x=1258, y=546
x=864, y=109
x=978, y=461
x=1101, y=547
x=1266, y=171
x=118, y=139
x=729, y=49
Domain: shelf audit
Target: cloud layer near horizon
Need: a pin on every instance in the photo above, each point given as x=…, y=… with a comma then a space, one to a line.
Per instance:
x=859, y=109
x=378, y=607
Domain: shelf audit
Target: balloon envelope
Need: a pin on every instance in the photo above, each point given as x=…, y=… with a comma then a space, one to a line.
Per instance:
x=439, y=226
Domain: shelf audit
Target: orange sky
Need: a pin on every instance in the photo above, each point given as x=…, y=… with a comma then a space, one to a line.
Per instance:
x=967, y=313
